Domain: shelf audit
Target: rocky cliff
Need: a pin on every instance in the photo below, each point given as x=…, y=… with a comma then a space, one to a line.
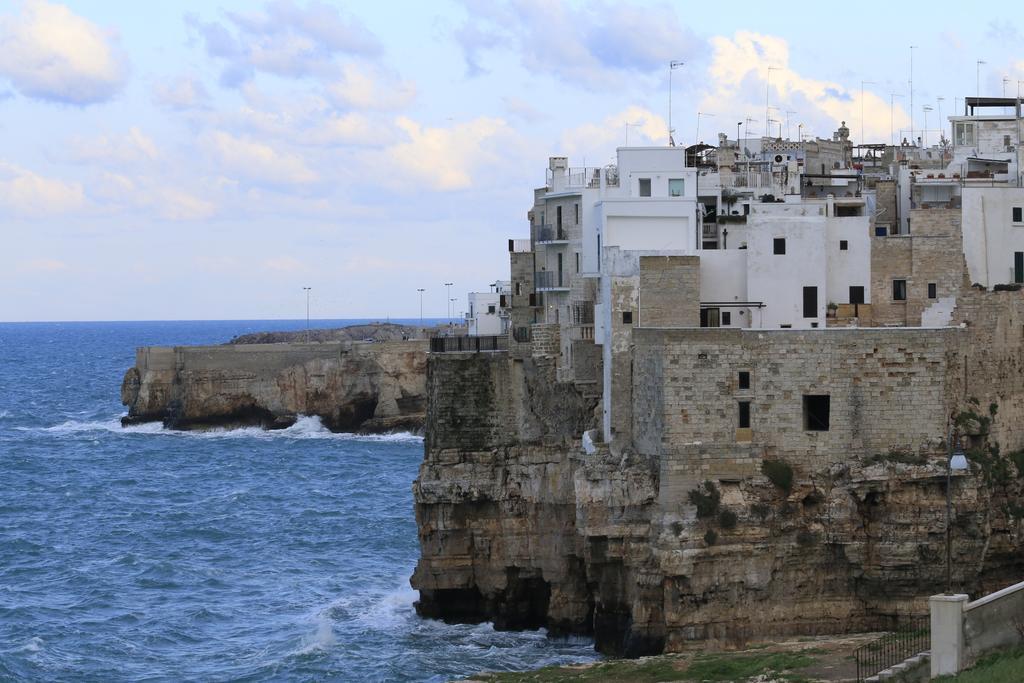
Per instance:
x=520, y=526
x=351, y=386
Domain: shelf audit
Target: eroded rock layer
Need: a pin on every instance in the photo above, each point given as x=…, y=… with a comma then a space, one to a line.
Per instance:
x=351, y=386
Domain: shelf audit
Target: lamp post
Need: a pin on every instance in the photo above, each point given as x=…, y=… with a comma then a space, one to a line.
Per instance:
x=672, y=66
x=956, y=460
x=421, y=290
x=800, y=132
x=448, y=296
x=307, y=289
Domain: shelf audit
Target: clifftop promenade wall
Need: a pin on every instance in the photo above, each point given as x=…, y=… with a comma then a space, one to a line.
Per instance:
x=351, y=386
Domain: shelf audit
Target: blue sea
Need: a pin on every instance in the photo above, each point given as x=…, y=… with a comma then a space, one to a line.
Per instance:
x=140, y=554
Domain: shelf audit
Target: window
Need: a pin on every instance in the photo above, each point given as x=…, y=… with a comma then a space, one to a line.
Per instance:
x=709, y=317
x=558, y=217
x=519, y=289
x=577, y=261
x=491, y=309
x=744, y=415
x=856, y=295
x=810, y=302
x=963, y=133
x=779, y=245
x=881, y=230
x=627, y=317
x=899, y=290
x=645, y=187
x=816, y=409
x=1018, y=214
x=1006, y=143
x=744, y=379
x=577, y=213
x=931, y=290
x=675, y=187
x=786, y=326
x=726, y=318
x=1018, y=266
x=843, y=245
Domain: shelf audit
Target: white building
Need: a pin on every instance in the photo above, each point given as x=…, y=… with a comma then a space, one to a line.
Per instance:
x=486, y=315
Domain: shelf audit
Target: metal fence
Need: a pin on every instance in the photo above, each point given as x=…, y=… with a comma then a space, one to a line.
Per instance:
x=909, y=639
x=548, y=279
x=468, y=343
x=551, y=233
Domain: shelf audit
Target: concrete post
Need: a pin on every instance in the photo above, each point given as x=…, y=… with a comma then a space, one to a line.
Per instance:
x=947, y=626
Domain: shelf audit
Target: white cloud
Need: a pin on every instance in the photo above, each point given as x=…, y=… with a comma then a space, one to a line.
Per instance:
x=739, y=73
x=26, y=193
x=181, y=93
x=154, y=195
x=596, y=140
x=50, y=53
x=260, y=162
x=132, y=147
x=370, y=88
x=598, y=45
x=449, y=158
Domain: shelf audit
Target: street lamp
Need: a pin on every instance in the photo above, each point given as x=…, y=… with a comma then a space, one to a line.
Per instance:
x=449, y=297
x=956, y=461
x=421, y=290
x=308, y=289
x=672, y=66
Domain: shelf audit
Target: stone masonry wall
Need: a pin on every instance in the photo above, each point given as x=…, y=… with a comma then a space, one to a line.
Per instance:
x=669, y=291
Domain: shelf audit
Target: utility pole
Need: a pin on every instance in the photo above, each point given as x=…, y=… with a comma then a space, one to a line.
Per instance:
x=672, y=66
x=448, y=296
x=308, y=289
x=862, y=84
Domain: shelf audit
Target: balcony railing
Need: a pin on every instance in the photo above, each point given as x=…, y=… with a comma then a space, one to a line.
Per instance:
x=520, y=246
x=551, y=233
x=465, y=343
x=583, y=313
x=549, y=279
x=582, y=332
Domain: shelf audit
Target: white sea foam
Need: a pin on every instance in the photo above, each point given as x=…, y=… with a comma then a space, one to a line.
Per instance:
x=322, y=640
x=306, y=427
x=4, y=413
x=390, y=609
x=34, y=644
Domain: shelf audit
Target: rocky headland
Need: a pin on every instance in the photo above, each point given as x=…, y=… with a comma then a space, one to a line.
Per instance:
x=361, y=379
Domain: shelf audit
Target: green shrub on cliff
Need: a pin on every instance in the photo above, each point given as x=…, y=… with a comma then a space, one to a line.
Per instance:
x=779, y=473
x=727, y=519
x=706, y=499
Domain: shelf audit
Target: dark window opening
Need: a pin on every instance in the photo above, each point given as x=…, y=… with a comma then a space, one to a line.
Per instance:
x=786, y=326
x=490, y=308
x=810, y=302
x=726, y=318
x=577, y=214
x=558, y=217
x=627, y=317
x=1018, y=266
x=779, y=245
x=577, y=261
x=744, y=416
x=899, y=290
x=744, y=380
x=1018, y=214
x=846, y=211
x=709, y=317
x=816, y=413
x=931, y=290
x=645, y=187
x=843, y=245
x=856, y=295
x=881, y=230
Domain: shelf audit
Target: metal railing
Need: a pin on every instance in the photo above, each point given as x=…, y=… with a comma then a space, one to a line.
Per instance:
x=911, y=638
x=550, y=233
x=583, y=313
x=468, y=343
x=521, y=334
x=548, y=279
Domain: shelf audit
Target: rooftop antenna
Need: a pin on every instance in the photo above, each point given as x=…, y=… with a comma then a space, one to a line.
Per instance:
x=938, y=102
x=787, y=122
x=700, y=114
x=892, y=135
x=978, y=76
x=912, y=48
x=767, y=89
x=672, y=66
x=862, y=84
x=628, y=125
x=926, y=108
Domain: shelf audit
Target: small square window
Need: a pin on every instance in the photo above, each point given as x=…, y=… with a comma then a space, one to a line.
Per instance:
x=843, y=245
x=744, y=415
x=627, y=317
x=881, y=230
x=726, y=318
x=931, y=290
x=675, y=187
x=816, y=413
x=899, y=290
x=1018, y=214
x=645, y=187
x=744, y=379
x=779, y=245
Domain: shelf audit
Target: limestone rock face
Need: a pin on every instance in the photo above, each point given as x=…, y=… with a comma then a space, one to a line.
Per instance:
x=351, y=386
x=519, y=526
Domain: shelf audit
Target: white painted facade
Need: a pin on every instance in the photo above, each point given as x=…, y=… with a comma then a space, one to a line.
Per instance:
x=991, y=237
x=483, y=317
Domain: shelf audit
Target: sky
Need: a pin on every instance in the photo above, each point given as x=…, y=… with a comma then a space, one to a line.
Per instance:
x=207, y=160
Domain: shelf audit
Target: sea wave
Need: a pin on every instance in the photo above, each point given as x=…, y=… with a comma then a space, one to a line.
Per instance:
x=306, y=427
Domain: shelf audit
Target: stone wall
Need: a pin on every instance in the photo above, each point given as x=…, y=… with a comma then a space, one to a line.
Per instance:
x=669, y=291
x=350, y=385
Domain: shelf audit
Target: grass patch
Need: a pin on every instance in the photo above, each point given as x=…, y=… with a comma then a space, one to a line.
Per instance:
x=999, y=667
x=618, y=671
x=741, y=667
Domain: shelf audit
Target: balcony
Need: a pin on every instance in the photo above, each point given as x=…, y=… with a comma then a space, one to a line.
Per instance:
x=520, y=246
x=470, y=344
x=550, y=234
x=581, y=333
x=548, y=280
